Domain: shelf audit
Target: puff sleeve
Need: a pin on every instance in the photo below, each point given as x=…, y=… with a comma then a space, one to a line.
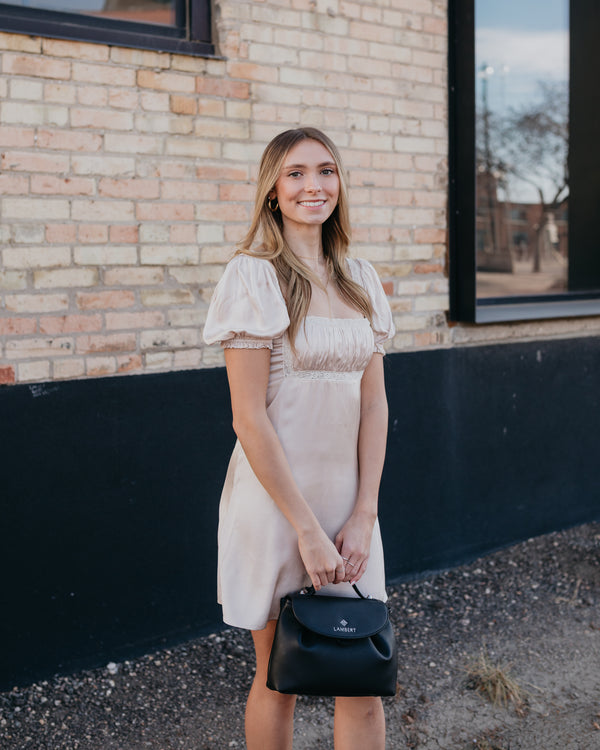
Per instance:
x=383, y=325
x=247, y=309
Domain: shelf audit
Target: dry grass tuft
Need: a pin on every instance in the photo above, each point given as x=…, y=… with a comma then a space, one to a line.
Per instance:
x=494, y=683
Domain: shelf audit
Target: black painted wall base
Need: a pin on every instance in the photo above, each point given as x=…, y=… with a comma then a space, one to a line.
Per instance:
x=110, y=489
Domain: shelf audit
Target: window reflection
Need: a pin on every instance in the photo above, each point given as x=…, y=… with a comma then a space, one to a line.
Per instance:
x=522, y=66
x=141, y=11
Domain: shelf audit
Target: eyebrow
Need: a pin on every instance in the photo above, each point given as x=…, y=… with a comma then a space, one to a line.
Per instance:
x=303, y=166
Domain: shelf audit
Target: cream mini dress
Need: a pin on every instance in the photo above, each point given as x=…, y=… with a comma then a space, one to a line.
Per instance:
x=313, y=401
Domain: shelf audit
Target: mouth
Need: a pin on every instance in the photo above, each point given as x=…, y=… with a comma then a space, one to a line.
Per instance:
x=312, y=204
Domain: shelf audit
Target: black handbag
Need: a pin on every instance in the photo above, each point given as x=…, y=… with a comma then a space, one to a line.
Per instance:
x=333, y=645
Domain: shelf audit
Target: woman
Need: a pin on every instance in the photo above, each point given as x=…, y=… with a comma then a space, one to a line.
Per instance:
x=303, y=326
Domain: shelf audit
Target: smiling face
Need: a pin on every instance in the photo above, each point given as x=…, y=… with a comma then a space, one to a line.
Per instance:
x=308, y=186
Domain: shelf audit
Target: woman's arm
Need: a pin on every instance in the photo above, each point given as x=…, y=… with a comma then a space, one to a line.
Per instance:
x=354, y=540
x=248, y=374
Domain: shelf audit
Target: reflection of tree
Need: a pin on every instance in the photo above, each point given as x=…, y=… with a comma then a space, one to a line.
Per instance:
x=530, y=145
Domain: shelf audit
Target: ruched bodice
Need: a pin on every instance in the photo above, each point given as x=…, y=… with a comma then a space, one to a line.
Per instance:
x=313, y=401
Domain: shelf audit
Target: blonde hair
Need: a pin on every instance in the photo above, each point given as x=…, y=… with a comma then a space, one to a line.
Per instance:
x=267, y=228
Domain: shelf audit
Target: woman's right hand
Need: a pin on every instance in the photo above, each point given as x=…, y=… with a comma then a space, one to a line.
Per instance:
x=321, y=559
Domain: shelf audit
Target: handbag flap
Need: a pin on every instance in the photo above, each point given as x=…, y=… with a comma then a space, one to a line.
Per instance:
x=340, y=616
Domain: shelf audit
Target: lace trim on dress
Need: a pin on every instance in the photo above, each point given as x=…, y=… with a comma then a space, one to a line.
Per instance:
x=240, y=342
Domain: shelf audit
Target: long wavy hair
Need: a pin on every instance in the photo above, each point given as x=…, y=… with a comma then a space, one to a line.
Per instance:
x=265, y=237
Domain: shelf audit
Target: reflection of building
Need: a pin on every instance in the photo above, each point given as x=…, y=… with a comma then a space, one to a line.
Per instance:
x=510, y=232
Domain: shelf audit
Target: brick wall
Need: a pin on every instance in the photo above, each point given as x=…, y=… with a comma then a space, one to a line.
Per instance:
x=127, y=177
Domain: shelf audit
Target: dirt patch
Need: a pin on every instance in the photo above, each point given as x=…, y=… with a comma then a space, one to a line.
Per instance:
x=533, y=609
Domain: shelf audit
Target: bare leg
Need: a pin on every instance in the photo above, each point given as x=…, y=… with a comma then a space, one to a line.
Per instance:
x=269, y=715
x=359, y=724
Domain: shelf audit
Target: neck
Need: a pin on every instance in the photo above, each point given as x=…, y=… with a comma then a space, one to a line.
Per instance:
x=306, y=243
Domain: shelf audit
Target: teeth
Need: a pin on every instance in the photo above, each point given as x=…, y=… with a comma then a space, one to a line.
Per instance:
x=312, y=203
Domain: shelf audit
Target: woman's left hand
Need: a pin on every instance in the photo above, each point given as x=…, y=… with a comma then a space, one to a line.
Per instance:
x=354, y=544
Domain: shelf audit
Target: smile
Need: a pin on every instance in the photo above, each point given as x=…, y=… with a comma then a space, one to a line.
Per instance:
x=312, y=204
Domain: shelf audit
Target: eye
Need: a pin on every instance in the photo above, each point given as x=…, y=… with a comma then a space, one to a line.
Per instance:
x=327, y=171
x=295, y=173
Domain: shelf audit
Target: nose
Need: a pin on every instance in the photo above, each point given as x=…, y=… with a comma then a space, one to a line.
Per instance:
x=312, y=184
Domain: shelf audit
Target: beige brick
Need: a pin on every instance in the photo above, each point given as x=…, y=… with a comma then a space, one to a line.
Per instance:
x=93, y=96
x=133, y=276
x=192, y=147
x=66, y=277
x=223, y=88
x=139, y=57
x=111, y=75
x=51, y=185
x=154, y=233
x=36, y=303
x=102, y=210
x=35, y=66
x=158, y=360
x=132, y=188
x=187, y=358
x=33, y=371
x=114, y=342
x=171, y=255
x=96, y=367
x=20, y=43
x=123, y=320
x=35, y=348
x=171, y=339
x=124, y=234
x=182, y=234
x=92, y=233
x=425, y=303
x=191, y=317
x=100, y=119
x=165, y=212
x=70, y=323
x=75, y=50
x=161, y=123
x=68, y=140
x=13, y=280
x=129, y=363
x=191, y=191
x=103, y=165
x=23, y=89
x=59, y=93
x=63, y=369
x=197, y=275
x=33, y=114
x=13, y=184
x=36, y=257
x=166, y=297
x=16, y=137
x=105, y=300
x=17, y=326
x=26, y=161
x=207, y=233
x=105, y=255
x=153, y=101
x=41, y=208
x=166, y=81
x=189, y=64
x=135, y=144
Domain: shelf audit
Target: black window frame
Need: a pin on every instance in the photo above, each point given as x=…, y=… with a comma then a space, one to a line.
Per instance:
x=190, y=35
x=584, y=169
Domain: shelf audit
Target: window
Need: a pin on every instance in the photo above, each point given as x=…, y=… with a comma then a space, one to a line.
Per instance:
x=169, y=25
x=524, y=159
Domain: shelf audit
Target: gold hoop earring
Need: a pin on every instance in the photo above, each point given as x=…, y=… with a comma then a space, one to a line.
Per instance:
x=273, y=207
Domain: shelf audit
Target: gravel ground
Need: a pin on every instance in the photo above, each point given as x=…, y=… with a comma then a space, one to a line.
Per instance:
x=533, y=609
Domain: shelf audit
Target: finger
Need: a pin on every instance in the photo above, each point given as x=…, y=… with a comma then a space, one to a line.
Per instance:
x=340, y=573
x=362, y=569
